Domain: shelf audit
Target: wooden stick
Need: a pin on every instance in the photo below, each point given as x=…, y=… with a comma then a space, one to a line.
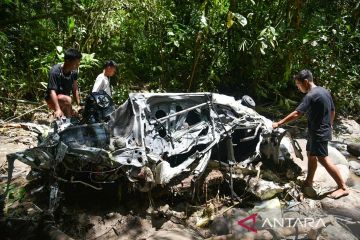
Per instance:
x=32, y=110
x=19, y=101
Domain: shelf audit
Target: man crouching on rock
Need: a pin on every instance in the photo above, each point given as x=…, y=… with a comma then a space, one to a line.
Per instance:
x=319, y=108
x=63, y=80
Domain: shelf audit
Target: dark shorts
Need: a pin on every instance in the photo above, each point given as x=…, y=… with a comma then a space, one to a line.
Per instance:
x=316, y=148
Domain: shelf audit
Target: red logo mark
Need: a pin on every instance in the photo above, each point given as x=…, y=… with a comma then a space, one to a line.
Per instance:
x=253, y=217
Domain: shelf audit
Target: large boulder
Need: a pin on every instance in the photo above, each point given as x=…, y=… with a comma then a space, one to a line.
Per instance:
x=323, y=178
x=335, y=231
x=348, y=206
x=354, y=149
x=335, y=155
x=347, y=126
x=355, y=167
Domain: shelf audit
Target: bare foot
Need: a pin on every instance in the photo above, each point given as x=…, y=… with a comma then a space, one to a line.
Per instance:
x=340, y=192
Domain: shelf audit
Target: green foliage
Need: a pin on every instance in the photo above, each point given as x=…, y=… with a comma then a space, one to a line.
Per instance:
x=15, y=193
x=234, y=47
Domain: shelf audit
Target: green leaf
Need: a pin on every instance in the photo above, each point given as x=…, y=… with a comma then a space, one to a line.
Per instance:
x=229, y=23
x=264, y=45
x=272, y=43
x=241, y=19
x=71, y=24
x=203, y=20
x=273, y=30
x=59, y=49
x=229, y=20
x=43, y=84
x=243, y=45
x=262, y=32
x=262, y=51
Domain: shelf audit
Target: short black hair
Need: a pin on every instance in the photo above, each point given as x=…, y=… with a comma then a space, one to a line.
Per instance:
x=109, y=63
x=72, y=54
x=304, y=74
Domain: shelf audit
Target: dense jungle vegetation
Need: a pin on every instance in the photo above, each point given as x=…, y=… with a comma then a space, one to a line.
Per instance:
x=234, y=47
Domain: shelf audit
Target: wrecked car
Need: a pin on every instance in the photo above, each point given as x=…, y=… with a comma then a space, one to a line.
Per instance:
x=156, y=139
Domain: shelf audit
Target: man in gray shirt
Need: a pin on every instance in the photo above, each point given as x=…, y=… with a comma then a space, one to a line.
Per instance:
x=319, y=108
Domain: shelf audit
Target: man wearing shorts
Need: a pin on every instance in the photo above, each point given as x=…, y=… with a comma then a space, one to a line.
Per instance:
x=319, y=108
x=62, y=81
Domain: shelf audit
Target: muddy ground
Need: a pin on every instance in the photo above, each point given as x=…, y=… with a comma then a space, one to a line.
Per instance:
x=115, y=213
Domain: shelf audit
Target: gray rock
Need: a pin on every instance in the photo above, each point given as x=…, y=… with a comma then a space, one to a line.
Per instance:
x=354, y=165
x=335, y=232
x=264, y=189
x=354, y=149
x=231, y=219
x=348, y=126
x=338, y=145
x=179, y=234
x=220, y=226
x=336, y=156
x=323, y=178
x=348, y=206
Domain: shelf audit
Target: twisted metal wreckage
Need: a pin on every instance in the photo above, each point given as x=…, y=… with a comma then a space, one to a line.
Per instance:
x=155, y=139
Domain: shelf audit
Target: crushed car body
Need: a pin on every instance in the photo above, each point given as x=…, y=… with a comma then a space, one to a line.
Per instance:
x=156, y=139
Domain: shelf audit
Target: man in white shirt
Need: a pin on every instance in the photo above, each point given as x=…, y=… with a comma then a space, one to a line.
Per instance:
x=102, y=81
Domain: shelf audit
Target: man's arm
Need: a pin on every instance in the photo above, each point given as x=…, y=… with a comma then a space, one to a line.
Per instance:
x=291, y=117
x=332, y=117
x=76, y=92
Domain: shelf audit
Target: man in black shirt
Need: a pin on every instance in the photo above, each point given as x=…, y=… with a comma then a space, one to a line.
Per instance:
x=63, y=81
x=319, y=108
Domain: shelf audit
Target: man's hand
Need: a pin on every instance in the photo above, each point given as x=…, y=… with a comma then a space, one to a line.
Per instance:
x=58, y=113
x=275, y=125
x=292, y=116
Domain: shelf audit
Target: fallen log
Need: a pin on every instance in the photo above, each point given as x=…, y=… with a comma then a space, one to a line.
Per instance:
x=19, y=101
